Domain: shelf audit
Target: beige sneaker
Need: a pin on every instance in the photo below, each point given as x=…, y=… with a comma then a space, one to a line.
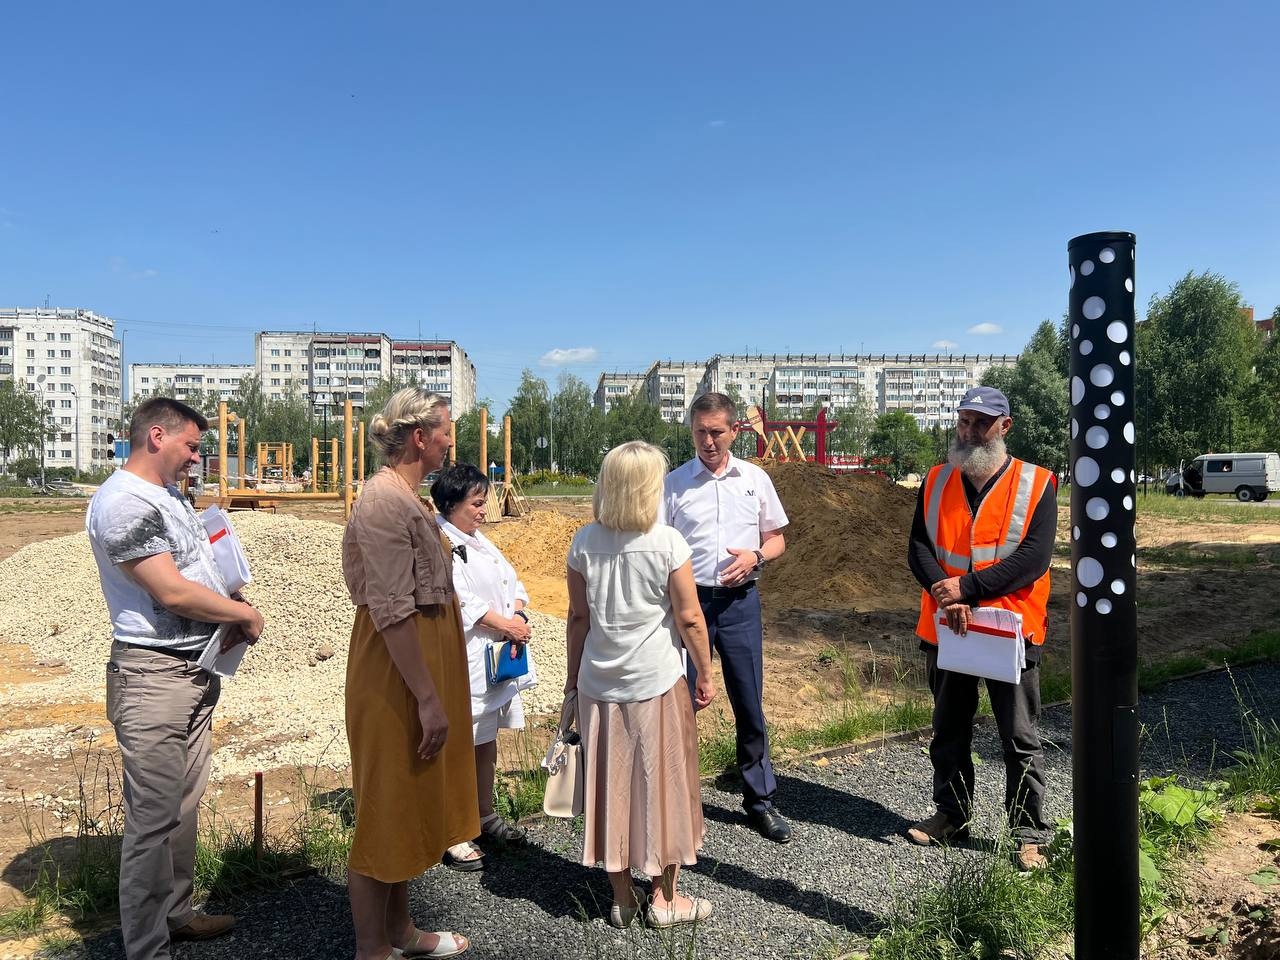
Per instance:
x=204, y=926
x=1030, y=858
x=937, y=829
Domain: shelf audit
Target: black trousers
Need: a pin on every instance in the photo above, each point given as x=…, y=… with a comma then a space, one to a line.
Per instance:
x=737, y=634
x=1016, y=708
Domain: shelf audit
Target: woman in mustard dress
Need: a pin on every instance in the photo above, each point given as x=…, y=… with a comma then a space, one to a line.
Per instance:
x=408, y=707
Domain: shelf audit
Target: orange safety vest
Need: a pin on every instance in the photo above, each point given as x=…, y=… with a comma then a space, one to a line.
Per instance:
x=963, y=543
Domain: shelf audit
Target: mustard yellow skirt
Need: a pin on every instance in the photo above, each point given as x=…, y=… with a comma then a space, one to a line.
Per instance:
x=408, y=810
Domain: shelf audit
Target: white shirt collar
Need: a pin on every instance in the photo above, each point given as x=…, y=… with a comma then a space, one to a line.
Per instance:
x=456, y=535
x=730, y=468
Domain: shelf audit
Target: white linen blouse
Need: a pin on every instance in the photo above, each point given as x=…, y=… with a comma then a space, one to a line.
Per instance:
x=485, y=581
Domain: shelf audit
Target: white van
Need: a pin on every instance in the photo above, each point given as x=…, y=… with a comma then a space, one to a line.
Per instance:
x=1247, y=476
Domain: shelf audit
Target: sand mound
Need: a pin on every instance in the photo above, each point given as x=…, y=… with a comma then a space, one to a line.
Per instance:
x=846, y=544
x=285, y=705
x=536, y=544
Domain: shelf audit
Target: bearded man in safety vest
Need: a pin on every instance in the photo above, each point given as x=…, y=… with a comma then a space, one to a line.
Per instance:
x=983, y=536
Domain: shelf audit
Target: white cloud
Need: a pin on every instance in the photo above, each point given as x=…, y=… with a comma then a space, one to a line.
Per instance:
x=564, y=356
x=985, y=329
x=717, y=123
x=945, y=344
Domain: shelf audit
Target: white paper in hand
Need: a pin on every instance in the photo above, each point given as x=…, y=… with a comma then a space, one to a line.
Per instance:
x=227, y=552
x=993, y=647
x=213, y=660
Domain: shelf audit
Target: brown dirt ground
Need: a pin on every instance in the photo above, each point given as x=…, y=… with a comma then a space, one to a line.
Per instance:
x=827, y=636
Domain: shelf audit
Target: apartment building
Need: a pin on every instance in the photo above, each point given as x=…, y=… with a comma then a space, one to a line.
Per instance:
x=929, y=387
x=743, y=375
x=441, y=366
x=671, y=386
x=185, y=380
x=71, y=358
x=611, y=387
x=330, y=367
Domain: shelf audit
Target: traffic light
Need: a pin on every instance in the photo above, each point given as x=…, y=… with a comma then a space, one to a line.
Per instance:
x=111, y=446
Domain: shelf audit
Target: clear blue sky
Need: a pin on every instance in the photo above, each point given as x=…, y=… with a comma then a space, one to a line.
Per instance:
x=642, y=180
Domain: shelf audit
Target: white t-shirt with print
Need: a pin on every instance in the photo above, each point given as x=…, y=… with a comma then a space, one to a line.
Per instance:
x=632, y=651
x=130, y=518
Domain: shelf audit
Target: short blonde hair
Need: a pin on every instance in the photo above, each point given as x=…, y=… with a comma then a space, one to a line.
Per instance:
x=629, y=489
x=408, y=408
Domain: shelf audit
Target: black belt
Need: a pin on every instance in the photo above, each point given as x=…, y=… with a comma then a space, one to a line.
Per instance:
x=725, y=593
x=187, y=655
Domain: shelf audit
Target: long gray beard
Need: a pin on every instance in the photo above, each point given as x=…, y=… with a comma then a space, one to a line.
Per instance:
x=977, y=459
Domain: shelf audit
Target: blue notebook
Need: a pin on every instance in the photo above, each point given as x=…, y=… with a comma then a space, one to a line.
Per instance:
x=500, y=666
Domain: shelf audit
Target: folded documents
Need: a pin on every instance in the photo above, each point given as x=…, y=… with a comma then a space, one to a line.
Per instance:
x=993, y=648
x=213, y=660
x=227, y=552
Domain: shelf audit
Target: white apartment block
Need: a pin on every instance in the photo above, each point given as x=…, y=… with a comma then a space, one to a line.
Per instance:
x=744, y=375
x=185, y=380
x=612, y=387
x=71, y=359
x=929, y=387
x=441, y=366
x=671, y=386
x=327, y=368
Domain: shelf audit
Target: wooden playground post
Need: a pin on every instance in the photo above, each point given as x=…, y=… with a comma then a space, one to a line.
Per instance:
x=222, y=448
x=315, y=461
x=240, y=442
x=333, y=465
x=506, y=450
x=484, y=441
x=257, y=461
x=360, y=454
x=348, y=486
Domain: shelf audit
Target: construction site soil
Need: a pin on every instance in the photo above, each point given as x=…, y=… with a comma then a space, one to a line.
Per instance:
x=840, y=607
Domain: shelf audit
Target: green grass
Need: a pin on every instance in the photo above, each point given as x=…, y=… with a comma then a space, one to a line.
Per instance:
x=858, y=722
x=560, y=490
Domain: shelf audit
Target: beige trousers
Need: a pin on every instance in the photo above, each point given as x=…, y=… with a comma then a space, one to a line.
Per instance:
x=162, y=709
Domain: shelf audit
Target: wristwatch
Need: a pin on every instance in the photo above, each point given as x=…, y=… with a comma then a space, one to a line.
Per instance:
x=760, y=561
x=522, y=615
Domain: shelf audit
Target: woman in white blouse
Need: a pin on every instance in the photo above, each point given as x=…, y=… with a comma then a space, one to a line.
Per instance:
x=493, y=601
x=632, y=607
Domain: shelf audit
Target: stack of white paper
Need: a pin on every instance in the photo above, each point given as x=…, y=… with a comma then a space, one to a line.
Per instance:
x=215, y=661
x=993, y=647
x=227, y=552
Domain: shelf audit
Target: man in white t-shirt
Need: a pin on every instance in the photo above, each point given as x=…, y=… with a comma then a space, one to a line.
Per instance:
x=730, y=514
x=167, y=601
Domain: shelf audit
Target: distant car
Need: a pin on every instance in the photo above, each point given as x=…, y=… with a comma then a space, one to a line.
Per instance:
x=1246, y=476
x=1146, y=478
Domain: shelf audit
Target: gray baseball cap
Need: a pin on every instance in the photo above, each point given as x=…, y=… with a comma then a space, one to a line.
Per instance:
x=986, y=400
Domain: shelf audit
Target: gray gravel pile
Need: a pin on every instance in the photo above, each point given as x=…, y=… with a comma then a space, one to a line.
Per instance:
x=846, y=867
x=284, y=706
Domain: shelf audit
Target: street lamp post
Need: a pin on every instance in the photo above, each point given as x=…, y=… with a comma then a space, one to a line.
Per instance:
x=75, y=426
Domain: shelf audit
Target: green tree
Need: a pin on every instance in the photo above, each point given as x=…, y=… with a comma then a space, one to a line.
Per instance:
x=21, y=416
x=578, y=427
x=898, y=437
x=1263, y=404
x=1037, y=390
x=287, y=420
x=249, y=403
x=467, y=434
x=530, y=414
x=856, y=421
x=1199, y=351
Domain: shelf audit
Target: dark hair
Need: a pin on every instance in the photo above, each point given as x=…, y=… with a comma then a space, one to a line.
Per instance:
x=455, y=484
x=714, y=403
x=166, y=412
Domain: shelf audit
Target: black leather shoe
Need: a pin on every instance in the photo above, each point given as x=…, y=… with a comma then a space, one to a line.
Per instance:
x=770, y=824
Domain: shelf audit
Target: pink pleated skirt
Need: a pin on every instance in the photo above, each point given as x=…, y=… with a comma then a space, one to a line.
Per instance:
x=642, y=802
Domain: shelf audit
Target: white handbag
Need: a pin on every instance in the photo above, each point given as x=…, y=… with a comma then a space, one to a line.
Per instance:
x=564, y=766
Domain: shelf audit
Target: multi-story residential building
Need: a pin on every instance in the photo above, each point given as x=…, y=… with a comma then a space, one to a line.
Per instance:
x=929, y=387
x=328, y=368
x=185, y=380
x=611, y=387
x=71, y=358
x=741, y=375
x=671, y=386
x=439, y=365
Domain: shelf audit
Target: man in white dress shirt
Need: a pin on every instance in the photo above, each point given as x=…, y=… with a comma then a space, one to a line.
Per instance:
x=730, y=514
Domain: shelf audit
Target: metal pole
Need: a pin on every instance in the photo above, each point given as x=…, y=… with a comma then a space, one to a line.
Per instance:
x=1104, y=634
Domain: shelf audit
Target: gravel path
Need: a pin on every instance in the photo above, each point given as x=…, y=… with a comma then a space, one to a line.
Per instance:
x=843, y=869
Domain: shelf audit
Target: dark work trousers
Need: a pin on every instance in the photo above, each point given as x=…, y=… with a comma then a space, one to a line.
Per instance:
x=733, y=625
x=1016, y=708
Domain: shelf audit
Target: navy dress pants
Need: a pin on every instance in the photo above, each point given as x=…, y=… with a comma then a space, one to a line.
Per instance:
x=734, y=627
